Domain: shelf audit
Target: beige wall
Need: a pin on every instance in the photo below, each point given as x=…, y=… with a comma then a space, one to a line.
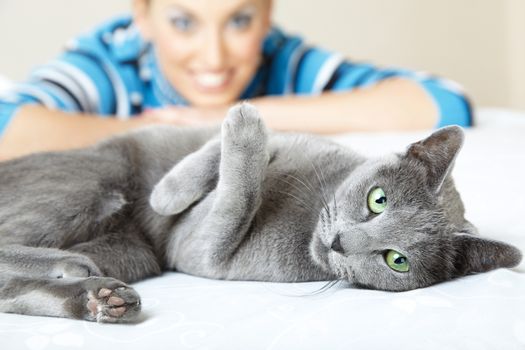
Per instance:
x=479, y=43
x=516, y=52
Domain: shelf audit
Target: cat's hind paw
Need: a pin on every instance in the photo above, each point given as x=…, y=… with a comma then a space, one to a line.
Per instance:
x=111, y=301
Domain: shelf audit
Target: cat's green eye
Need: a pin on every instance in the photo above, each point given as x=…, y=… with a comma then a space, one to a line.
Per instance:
x=377, y=200
x=396, y=261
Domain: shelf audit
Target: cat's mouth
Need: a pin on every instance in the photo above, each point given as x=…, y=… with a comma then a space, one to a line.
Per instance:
x=346, y=273
x=338, y=264
x=328, y=252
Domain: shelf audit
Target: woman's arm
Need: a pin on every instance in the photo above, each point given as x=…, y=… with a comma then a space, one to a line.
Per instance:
x=392, y=104
x=36, y=128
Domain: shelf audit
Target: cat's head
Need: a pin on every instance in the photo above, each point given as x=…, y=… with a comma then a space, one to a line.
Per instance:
x=397, y=223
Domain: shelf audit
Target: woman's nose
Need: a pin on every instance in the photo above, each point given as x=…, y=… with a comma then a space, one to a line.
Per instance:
x=212, y=50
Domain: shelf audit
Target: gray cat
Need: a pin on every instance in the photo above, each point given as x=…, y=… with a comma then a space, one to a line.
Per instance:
x=242, y=204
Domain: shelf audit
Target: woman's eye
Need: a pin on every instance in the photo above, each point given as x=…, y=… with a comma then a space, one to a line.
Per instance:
x=396, y=261
x=377, y=200
x=241, y=21
x=184, y=24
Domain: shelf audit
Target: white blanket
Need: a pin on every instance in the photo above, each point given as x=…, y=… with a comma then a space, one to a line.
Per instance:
x=485, y=311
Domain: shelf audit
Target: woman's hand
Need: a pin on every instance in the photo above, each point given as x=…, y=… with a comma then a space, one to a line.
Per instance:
x=188, y=116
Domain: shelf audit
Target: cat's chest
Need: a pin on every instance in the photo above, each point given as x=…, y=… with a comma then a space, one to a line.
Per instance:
x=293, y=194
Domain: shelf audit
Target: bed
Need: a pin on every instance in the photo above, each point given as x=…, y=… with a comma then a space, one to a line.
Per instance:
x=485, y=311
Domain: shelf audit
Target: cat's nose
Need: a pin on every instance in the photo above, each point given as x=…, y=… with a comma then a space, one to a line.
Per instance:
x=336, y=245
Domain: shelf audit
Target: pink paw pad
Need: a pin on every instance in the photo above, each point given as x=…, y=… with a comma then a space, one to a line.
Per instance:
x=108, y=305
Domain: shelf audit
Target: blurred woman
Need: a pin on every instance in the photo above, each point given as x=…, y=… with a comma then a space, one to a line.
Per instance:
x=186, y=61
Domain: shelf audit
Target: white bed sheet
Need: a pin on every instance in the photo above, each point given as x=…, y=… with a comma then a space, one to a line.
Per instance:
x=485, y=311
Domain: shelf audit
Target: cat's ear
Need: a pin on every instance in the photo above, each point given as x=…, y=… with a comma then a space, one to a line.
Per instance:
x=477, y=254
x=437, y=154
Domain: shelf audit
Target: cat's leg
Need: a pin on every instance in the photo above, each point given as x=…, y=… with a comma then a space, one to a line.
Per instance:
x=243, y=164
x=101, y=299
x=54, y=282
x=45, y=263
x=125, y=255
x=188, y=181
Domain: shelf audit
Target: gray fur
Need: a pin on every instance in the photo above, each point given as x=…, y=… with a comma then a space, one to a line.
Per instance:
x=239, y=204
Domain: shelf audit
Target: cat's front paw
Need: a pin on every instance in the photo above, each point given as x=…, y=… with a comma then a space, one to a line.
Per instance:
x=171, y=196
x=244, y=127
x=111, y=301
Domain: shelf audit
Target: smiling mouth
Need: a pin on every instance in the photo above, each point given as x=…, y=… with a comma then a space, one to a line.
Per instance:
x=211, y=81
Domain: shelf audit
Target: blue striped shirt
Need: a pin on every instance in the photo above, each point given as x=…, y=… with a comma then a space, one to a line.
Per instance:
x=111, y=71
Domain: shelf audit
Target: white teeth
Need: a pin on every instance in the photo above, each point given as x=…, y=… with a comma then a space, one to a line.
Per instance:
x=211, y=79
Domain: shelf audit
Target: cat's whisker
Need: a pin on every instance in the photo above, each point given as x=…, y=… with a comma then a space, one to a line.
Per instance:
x=307, y=185
x=329, y=285
x=301, y=201
x=302, y=182
x=300, y=192
x=326, y=221
x=334, y=219
x=311, y=187
x=325, y=205
x=335, y=205
x=325, y=185
x=325, y=214
x=325, y=218
x=292, y=184
x=323, y=192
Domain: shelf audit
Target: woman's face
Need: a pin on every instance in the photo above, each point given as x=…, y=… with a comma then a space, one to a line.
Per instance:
x=209, y=50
